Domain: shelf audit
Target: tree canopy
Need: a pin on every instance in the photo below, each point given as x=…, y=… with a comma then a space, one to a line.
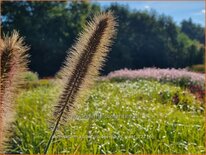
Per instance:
x=144, y=38
x=194, y=31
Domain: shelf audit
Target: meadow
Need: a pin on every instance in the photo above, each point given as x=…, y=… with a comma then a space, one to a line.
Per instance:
x=119, y=116
x=144, y=111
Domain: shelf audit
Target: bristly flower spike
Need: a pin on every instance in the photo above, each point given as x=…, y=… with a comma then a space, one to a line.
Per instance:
x=13, y=62
x=82, y=65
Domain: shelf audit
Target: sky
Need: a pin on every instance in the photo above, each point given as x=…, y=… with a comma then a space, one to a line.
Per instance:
x=179, y=10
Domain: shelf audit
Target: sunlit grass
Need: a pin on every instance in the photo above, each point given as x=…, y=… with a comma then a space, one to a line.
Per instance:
x=125, y=117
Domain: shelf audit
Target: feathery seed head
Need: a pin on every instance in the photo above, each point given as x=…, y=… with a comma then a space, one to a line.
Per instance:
x=13, y=61
x=82, y=65
x=84, y=61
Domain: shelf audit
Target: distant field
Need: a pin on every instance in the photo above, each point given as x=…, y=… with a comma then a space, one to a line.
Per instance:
x=119, y=117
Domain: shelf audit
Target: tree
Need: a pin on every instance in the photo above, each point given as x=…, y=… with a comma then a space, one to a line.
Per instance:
x=49, y=27
x=144, y=38
x=194, y=31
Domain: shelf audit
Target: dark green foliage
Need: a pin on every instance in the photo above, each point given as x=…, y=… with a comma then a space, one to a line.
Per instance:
x=49, y=27
x=194, y=31
x=144, y=39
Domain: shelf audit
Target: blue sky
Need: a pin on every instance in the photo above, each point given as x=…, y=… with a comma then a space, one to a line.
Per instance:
x=178, y=10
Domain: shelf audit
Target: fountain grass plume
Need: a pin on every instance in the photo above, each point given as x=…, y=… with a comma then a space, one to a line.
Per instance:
x=13, y=61
x=82, y=65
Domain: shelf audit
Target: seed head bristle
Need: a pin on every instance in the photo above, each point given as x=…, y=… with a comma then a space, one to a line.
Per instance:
x=84, y=61
x=13, y=61
x=82, y=65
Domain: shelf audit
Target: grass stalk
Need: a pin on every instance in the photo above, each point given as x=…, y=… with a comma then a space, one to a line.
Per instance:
x=13, y=57
x=82, y=65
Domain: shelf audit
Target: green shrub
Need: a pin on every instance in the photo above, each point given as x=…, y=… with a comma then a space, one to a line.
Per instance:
x=198, y=68
x=38, y=83
x=30, y=76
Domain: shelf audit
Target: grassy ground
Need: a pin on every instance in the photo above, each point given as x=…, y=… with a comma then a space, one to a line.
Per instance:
x=125, y=117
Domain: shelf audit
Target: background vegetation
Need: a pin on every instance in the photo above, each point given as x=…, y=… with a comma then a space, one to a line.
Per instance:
x=144, y=39
x=141, y=116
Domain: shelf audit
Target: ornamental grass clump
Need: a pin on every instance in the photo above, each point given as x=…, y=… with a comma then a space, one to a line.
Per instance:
x=82, y=65
x=13, y=57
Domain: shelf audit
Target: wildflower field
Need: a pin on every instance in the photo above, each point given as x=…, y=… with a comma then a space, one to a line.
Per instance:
x=139, y=115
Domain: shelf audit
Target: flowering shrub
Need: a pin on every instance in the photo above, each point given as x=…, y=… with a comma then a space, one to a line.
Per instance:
x=195, y=82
